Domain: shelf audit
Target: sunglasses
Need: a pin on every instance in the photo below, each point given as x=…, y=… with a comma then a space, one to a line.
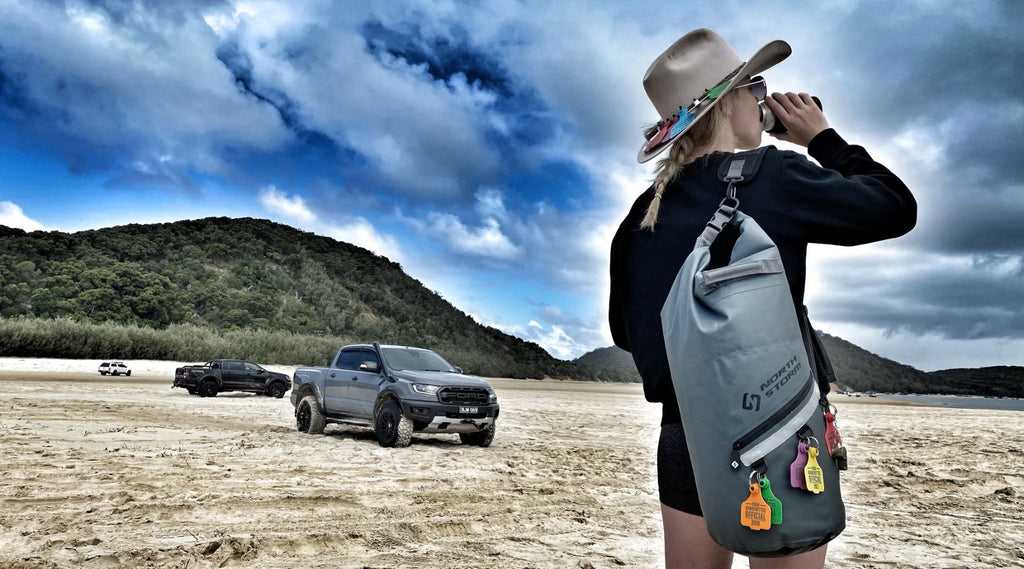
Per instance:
x=757, y=86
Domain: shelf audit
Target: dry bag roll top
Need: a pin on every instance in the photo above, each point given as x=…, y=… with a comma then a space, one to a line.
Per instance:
x=752, y=410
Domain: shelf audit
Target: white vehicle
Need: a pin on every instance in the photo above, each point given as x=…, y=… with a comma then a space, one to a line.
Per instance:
x=115, y=368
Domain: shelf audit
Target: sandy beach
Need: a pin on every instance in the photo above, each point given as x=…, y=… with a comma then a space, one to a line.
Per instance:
x=127, y=472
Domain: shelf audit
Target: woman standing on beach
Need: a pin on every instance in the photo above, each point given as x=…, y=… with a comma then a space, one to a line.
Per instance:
x=849, y=200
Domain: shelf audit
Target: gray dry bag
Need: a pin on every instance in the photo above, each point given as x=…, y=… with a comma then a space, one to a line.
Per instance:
x=751, y=407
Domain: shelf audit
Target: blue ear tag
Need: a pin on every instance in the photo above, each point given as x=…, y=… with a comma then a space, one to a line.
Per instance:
x=683, y=122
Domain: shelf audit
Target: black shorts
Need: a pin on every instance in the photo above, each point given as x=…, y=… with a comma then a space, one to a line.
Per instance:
x=676, y=486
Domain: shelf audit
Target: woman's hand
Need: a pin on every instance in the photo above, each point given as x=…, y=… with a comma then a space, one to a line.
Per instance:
x=800, y=115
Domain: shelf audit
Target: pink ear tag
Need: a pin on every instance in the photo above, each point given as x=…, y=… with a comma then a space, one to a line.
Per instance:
x=796, y=470
x=661, y=135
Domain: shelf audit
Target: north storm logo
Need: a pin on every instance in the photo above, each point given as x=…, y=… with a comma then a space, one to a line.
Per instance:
x=751, y=402
x=781, y=377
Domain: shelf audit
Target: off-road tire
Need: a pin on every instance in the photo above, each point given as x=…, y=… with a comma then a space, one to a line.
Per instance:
x=481, y=439
x=308, y=418
x=207, y=388
x=393, y=429
x=276, y=390
x=103, y=373
x=128, y=373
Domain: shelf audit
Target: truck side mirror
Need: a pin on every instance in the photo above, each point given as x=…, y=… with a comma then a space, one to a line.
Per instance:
x=458, y=369
x=371, y=367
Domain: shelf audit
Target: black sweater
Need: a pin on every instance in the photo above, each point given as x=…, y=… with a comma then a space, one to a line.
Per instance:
x=851, y=200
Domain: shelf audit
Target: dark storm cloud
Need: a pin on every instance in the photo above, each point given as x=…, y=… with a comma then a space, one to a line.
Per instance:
x=444, y=55
x=944, y=79
x=952, y=67
x=127, y=89
x=975, y=222
x=452, y=53
x=239, y=64
x=938, y=57
x=956, y=299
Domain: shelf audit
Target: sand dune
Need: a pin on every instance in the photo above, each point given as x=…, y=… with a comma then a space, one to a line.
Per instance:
x=126, y=472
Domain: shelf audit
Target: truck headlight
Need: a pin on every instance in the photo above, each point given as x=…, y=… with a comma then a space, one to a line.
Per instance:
x=425, y=389
x=493, y=396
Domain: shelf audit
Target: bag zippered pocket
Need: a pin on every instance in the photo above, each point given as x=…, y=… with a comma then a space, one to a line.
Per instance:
x=801, y=407
x=714, y=278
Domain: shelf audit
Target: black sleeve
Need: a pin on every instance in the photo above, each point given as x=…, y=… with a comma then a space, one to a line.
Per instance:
x=851, y=199
x=616, y=321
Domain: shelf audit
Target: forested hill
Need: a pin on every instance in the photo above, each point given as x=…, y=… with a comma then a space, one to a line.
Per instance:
x=862, y=370
x=230, y=274
x=856, y=369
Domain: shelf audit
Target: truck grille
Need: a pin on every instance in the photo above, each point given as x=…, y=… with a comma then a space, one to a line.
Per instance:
x=464, y=396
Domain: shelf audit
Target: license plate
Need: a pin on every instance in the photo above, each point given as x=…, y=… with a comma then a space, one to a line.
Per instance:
x=469, y=409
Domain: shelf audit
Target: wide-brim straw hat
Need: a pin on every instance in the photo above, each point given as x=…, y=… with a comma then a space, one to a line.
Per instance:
x=690, y=77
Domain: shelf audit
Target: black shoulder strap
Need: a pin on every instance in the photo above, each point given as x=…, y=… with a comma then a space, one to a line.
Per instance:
x=736, y=169
x=740, y=168
x=821, y=364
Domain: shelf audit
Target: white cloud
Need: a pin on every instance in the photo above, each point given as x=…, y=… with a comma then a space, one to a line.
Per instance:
x=278, y=202
x=353, y=229
x=419, y=133
x=487, y=240
x=491, y=203
x=554, y=339
x=12, y=215
x=359, y=231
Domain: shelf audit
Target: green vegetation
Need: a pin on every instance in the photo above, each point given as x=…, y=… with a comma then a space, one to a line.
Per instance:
x=609, y=364
x=66, y=338
x=860, y=370
x=236, y=288
x=997, y=381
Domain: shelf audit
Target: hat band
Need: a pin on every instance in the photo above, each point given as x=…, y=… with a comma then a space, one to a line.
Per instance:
x=668, y=128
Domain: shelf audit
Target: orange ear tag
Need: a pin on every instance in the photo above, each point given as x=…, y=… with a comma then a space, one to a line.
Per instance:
x=812, y=472
x=754, y=512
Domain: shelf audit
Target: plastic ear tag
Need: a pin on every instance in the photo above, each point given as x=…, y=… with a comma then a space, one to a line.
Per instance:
x=754, y=512
x=685, y=118
x=716, y=91
x=812, y=472
x=833, y=440
x=661, y=136
x=774, y=504
x=796, y=470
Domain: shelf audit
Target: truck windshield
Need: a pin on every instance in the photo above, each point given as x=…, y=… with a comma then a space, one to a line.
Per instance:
x=414, y=359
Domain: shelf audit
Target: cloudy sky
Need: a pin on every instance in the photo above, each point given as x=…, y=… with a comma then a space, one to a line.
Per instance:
x=489, y=147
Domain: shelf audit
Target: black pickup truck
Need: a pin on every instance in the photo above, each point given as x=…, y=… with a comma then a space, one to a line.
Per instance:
x=209, y=379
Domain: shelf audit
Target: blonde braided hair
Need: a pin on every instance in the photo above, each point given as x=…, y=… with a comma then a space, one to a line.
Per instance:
x=702, y=133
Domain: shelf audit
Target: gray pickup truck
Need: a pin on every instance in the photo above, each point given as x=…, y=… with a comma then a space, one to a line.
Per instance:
x=396, y=390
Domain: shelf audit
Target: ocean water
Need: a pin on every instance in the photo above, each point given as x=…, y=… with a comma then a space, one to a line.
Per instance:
x=963, y=402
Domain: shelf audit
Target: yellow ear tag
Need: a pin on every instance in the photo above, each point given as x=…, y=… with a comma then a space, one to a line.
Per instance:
x=812, y=472
x=754, y=512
